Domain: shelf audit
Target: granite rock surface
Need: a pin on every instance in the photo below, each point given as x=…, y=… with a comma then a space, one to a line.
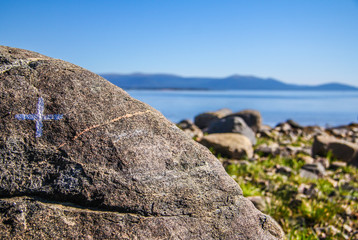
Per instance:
x=88, y=162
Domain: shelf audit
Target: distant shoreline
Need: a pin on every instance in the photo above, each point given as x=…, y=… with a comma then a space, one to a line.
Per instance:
x=235, y=82
x=225, y=90
x=305, y=107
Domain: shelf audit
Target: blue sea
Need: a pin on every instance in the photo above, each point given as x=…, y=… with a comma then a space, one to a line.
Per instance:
x=324, y=108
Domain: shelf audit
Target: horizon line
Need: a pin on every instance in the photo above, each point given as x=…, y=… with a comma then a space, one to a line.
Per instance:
x=227, y=76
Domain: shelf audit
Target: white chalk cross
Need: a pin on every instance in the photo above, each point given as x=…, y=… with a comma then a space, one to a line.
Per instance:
x=39, y=117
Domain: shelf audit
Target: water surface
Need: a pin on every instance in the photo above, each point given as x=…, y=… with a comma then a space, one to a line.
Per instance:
x=324, y=108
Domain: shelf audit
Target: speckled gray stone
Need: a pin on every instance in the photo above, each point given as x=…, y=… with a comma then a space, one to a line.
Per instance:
x=111, y=168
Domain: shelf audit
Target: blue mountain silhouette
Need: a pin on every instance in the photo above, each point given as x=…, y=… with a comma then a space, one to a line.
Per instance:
x=235, y=82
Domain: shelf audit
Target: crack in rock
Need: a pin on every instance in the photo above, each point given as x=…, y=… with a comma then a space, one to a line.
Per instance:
x=129, y=115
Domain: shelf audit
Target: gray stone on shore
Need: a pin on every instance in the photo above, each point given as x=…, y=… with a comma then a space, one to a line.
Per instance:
x=190, y=129
x=232, y=125
x=294, y=124
x=308, y=190
x=284, y=170
x=252, y=118
x=310, y=131
x=203, y=120
x=111, y=167
x=259, y=202
x=340, y=149
x=323, y=161
x=337, y=164
x=307, y=159
x=308, y=174
x=233, y=145
x=313, y=171
x=284, y=128
x=267, y=150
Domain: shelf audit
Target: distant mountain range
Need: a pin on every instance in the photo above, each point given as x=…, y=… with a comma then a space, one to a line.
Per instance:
x=235, y=82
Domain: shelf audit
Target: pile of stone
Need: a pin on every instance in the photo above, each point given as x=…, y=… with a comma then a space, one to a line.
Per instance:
x=233, y=136
x=319, y=153
x=230, y=134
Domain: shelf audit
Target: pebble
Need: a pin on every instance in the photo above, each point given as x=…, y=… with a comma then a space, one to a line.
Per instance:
x=338, y=164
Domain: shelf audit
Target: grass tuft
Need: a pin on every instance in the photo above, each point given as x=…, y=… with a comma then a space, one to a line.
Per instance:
x=322, y=214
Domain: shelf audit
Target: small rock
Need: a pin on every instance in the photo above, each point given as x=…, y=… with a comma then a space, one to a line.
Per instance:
x=316, y=168
x=185, y=124
x=284, y=141
x=190, y=129
x=203, y=120
x=293, y=137
x=347, y=228
x=252, y=118
x=293, y=150
x=343, y=150
x=259, y=202
x=348, y=210
x=284, y=170
x=264, y=184
x=306, y=150
x=321, y=232
x=243, y=162
x=307, y=174
x=313, y=130
x=307, y=190
x=307, y=159
x=333, y=229
x=294, y=124
x=348, y=186
x=333, y=182
x=285, y=152
x=266, y=133
x=283, y=127
x=276, y=134
x=268, y=128
x=255, y=158
x=267, y=150
x=323, y=161
x=248, y=179
x=301, y=196
x=339, y=132
x=338, y=164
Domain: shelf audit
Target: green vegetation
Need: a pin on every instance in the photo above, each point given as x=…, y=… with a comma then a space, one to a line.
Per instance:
x=326, y=209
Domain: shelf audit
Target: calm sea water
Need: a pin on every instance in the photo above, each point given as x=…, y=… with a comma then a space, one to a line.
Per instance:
x=331, y=108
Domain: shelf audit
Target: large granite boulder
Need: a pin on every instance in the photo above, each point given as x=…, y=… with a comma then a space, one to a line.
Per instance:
x=232, y=125
x=81, y=159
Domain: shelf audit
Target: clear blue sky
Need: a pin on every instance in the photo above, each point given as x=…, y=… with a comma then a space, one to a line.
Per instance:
x=296, y=41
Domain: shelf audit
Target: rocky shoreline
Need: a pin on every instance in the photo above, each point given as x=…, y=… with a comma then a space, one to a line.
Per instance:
x=304, y=176
x=81, y=159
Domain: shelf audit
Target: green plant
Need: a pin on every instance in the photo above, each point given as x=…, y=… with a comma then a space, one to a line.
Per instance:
x=249, y=189
x=301, y=215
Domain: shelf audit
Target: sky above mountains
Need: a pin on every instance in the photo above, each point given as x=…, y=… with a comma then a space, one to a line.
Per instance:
x=296, y=41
